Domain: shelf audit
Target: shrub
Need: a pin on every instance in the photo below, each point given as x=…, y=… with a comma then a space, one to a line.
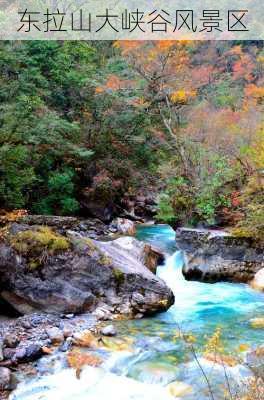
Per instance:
x=198, y=195
x=165, y=210
x=60, y=196
x=252, y=199
x=16, y=175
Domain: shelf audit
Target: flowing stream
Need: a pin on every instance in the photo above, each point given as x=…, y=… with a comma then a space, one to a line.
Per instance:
x=153, y=352
x=201, y=307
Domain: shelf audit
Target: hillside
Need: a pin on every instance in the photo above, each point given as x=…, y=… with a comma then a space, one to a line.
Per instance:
x=93, y=128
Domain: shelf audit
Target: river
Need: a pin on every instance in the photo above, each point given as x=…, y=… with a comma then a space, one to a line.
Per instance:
x=160, y=350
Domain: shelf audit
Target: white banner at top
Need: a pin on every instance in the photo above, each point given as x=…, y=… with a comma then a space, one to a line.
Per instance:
x=132, y=20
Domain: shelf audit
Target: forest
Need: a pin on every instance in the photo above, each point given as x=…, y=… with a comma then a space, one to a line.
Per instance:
x=100, y=122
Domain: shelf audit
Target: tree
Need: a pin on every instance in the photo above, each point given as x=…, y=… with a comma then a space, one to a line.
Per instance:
x=42, y=96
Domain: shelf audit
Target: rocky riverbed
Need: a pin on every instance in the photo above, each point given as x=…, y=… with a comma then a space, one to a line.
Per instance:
x=70, y=291
x=63, y=282
x=26, y=339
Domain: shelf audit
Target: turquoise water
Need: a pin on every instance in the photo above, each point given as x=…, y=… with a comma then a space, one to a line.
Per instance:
x=198, y=311
x=201, y=307
x=151, y=354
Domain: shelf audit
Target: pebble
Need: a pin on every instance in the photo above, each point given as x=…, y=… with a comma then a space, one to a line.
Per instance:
x=257, y=323
x=11, y=341
x=67, y=332
x=55, y=334
x=30, y=352
x=179, y=389
x=69, y=316
x=109, y=330
x=66, y=345
x=5, y=378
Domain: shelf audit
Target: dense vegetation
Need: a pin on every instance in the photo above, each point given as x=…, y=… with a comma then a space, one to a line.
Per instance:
x=85, y=123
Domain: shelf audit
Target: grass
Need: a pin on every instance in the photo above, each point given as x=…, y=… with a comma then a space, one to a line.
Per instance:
x=38, y=244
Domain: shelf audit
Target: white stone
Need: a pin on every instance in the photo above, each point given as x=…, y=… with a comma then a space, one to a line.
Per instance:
x=55, y=334
x=258, y=281
x=109, y=330
x=124, y=226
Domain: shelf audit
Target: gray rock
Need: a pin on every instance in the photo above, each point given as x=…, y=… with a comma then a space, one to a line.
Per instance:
x=138, y=298
x=78, y=280
x=124, y=226
x=213, y=256
x=145, y=253
x=101, y=314
x=124, y=309
x=29, y=352
x=109, y=330
x=5, y=378
x=11, y=341
x=56, y=335
x=26, y=324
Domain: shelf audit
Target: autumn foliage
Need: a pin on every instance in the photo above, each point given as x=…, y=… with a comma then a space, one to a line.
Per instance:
x=107, y=121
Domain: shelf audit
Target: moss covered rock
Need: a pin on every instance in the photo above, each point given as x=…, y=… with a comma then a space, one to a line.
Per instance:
x=41, y=269
x=42, y=239
x=38, y=244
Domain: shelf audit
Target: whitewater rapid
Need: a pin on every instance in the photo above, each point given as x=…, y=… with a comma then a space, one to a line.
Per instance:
x=157, y=359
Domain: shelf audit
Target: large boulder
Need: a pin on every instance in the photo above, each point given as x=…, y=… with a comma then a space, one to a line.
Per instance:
x=41, y=270
x=145, y=253
x=212, y=256
x=104, y=211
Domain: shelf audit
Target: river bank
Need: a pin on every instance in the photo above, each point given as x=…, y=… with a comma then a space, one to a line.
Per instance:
x=54, y=272
x=153, y=350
